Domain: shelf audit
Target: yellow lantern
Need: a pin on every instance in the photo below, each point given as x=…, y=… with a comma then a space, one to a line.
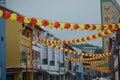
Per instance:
x=27, y=20
x=1, y=13
x=13, y=17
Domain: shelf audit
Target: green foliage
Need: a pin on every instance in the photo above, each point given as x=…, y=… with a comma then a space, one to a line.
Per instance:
x=99, y=51
x=80, y=46
x=23, y=55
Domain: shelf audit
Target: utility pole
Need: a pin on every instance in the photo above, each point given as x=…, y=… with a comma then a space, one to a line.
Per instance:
x=118, y=47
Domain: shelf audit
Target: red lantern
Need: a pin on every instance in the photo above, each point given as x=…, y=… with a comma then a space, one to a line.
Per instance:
x=69, y=42
x=87, y=26
x=6, y=14
x=116, y=25
x=93, y=27
x=77, y=40
x=64, y=42
x=59, y=48
x=99, y=34
x=110, y=26
x=49, y=41
x=57, y=25
x=20, y=18
x=88, y=38
x=106, y=32
x=76, y=26
x=112, y=30
x=45, y=23
x=102, y=27
x=33, y=21
x=73, y=41
x=83, y=39
x=67, y=25
x=53, y=42
x=93, y=36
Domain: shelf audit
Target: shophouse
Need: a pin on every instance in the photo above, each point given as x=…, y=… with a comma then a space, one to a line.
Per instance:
x=18, y=49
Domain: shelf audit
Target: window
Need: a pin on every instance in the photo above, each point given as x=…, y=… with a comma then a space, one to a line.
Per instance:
x=23, y=56
x=3, y=2
x=70, y=65
x=38, y=55
x=51, y=77
x=45, y=51
x=61, y=65
x=66, y=54
x=38, y=34
x=27, y=34
x=2, y=38
x=52, y=63
x=45, y=61
x=35, y=55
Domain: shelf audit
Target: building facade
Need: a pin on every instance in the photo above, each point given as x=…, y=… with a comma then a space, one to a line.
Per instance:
x=78, y=67
x=52, y=59
x=110, y=14
x=18, y=51
x=28, y=59
x=3, y=3
x=88, y=73
x=2, y=49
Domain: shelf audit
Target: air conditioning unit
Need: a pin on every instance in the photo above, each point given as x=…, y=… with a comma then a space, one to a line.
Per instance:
x=61, y=69
x=38, y=66
x=70, y=70
x=66, y=70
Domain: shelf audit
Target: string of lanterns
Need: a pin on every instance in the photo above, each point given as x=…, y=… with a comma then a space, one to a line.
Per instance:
x=109, y=28
x=95, y=56
x=93, y=63
x=55, y=24
x=100, y=69
x=88, y=38
x=98, y=63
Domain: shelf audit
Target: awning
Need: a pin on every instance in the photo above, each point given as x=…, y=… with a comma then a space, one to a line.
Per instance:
x=62, y=73
x=14, y=70
x=42, y=71
x=70, y=73
x=30, y=70
x=53, y=73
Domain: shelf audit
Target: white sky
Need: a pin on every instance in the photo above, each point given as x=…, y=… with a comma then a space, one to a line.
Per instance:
x=76, y=11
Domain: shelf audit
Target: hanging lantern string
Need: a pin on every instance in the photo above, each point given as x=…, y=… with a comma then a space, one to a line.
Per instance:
x=88, y=38
x=55, y=24
x=92, y=63
x=100, y=69
x=74, y=52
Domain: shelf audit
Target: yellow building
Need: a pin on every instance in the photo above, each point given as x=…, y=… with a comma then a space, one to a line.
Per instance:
x=18, y=51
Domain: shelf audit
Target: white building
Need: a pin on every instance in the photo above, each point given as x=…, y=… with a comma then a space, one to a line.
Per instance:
x=3, y=3
x=49, y=61
x=46, y=58
x=88, y=73
x=88, y=50
x=78, y=66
